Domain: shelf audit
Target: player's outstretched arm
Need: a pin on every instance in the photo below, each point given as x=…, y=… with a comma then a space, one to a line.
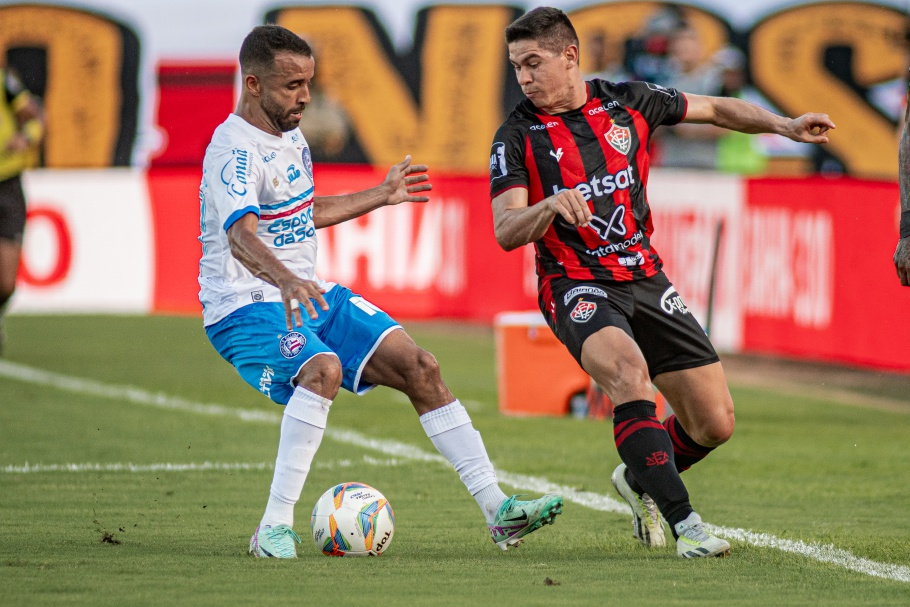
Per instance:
x=516, y=224
x=402, y=184
x=262, y=263
x=738, y=115
x=902, y=254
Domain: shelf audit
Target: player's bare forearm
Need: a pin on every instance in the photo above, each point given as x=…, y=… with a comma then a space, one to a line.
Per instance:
x=738, y=115
x=518, y=227
x=331, y=210
x=402, y=183
x=253, y=254
x=296, y=293
x=516, y=224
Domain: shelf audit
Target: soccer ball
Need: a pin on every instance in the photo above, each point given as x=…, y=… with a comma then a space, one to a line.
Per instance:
x=352, y=519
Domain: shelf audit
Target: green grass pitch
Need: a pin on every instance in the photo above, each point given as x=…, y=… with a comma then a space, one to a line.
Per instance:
x=145, y=521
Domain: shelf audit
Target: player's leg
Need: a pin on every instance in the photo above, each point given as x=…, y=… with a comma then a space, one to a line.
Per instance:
x=293, y=368
x=646, y=479
x=702, y=416
x=399, y=363
x=10, y=253
x=12, y=227
x=683, y=364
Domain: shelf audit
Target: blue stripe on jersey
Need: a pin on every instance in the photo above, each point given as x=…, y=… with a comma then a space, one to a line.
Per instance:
x=238, y=214
x=278, y=205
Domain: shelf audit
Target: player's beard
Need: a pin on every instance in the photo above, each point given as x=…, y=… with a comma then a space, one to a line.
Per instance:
x=280, y=116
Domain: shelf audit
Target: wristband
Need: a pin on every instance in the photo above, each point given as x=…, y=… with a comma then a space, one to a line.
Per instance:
x=33, y=130
x=905, y=224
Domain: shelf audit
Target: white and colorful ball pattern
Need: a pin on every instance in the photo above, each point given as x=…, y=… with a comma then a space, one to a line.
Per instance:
x=352, y=519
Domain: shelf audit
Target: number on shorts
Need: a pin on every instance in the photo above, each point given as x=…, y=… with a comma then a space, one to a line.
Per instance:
x=364, y=305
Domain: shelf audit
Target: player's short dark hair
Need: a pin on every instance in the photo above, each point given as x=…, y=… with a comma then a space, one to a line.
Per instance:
x=265, y=41
x=546, y=25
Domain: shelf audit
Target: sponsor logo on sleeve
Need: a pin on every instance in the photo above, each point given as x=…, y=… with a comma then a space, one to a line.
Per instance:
x=292, y=344
x=498, y=167
x=660, y=89
x=257, y=296
x=583, y=311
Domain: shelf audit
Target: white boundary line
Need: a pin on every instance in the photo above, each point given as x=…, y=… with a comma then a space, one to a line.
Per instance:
x=188, y=467
x=824, y=553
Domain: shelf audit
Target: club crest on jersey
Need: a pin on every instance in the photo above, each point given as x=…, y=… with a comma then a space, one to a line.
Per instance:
x=620, y=137
x=292, y=344
x=307, y=159
x=583, y=311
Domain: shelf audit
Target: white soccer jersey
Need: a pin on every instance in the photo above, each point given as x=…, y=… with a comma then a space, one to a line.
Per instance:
x=247, y=170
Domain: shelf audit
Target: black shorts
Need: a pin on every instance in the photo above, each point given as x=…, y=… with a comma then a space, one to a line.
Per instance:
x=12, y=209
x=650, y=311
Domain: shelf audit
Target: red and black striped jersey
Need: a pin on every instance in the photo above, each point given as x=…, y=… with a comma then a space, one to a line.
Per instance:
x=600, y=149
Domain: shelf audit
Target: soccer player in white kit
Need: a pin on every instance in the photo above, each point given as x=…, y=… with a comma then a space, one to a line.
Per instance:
x=259, y=221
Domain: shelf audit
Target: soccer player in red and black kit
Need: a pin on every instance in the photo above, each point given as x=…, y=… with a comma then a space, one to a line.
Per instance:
x=568, y=172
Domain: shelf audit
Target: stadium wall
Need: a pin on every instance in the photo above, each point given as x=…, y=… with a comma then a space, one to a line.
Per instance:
x=804, y=265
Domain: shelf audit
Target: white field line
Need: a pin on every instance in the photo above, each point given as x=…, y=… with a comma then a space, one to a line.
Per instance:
x=188, y=467
x=825, y=553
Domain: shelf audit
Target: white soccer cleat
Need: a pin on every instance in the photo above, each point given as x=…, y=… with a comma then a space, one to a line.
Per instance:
x=647, y=525
x=694, y=542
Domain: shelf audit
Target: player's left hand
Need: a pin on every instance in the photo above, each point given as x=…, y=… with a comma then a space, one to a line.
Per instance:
x=810, y=128
x=404, y=180
x=902, y=261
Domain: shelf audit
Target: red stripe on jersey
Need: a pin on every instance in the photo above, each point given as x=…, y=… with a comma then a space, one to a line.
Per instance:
x=551, y=240
x=296, y=209
x=572, y=169
x=546, y=298
x=616, y=162
x=643, y=160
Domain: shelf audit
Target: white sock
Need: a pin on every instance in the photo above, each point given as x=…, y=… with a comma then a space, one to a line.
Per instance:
x=302, y=427
x=453, y=435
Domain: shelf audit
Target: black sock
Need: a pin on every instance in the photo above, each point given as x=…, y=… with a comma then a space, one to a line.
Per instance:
x=686, y=452
x=646, y=449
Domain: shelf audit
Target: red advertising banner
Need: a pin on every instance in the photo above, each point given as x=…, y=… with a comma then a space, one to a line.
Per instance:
x=818, y=280
x=414, y=260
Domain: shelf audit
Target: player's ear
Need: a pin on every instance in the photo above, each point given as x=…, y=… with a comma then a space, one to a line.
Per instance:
x=252, y=84
x=571, y=55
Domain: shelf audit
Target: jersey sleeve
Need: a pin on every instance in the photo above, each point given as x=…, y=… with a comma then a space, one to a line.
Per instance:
x=658, y=105
x=507, y=160
x=234, y=187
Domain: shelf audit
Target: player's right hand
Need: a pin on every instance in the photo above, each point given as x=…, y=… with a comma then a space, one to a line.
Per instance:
x=571, y=206
x=298, y=292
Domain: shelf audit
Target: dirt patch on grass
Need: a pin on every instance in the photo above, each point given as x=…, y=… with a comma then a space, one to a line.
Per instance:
x=882, y=390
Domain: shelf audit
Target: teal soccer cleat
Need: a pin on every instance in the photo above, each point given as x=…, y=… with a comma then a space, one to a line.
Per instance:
x=516, y=519
x=274, y=542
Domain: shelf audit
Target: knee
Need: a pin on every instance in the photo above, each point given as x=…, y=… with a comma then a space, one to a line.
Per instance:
x=322, y=375
x=423, y=368
x=717, y=430
x=627, y=382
